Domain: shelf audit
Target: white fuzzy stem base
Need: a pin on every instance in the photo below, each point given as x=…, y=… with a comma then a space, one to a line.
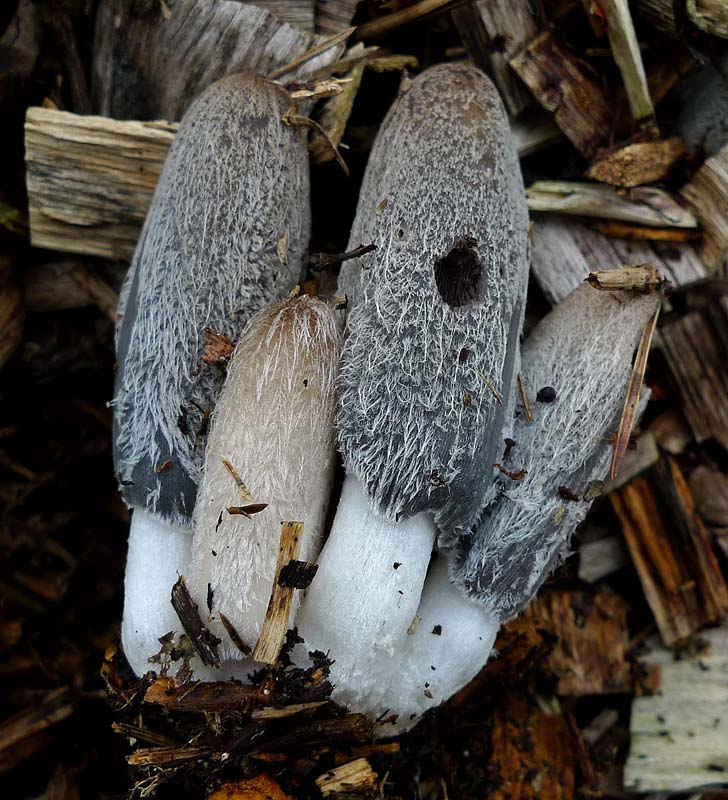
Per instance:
x=373, y=607
x=158, y=554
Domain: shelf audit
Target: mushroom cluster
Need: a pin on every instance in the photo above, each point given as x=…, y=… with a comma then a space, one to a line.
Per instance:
x=456, y=503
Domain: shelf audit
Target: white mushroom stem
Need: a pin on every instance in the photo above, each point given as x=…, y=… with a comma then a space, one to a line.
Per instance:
x=274, y=425
x=158, y=553
x=402, y=641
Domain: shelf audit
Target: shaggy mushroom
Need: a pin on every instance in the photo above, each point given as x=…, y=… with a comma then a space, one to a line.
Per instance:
x=405, y=635
x=225, y=235
x=272, y=431
x=428, y=376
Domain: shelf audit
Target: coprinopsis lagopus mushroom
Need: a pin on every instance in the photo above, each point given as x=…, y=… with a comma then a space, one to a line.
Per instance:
x=234, y=188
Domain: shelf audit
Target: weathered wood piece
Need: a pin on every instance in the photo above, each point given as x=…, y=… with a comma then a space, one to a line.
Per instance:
x=710, y=490
x=672, y=552
x=356, y=776
x=202, y=640
x=678, y=735
x=646, y=205
x=208, y=697
x=333, y=16
x=601, y=557
x=565, y=251
x=710, y=16
x=293, y=12
x=565, y=85
x=593, y=638
x=269, y=644
x=91, y=180
x=637, y=163
x=696, y=349
x=149, y=67
x=493, y=32
x=707, y=197
x=542, y=764
x=385, y=25
x=626, y=51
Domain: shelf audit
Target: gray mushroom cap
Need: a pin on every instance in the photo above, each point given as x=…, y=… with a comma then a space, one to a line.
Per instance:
x=584, y=350
x=436, y=311
x=234, y=187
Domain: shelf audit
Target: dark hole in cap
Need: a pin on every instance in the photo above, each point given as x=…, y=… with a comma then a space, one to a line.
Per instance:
x=459, y=274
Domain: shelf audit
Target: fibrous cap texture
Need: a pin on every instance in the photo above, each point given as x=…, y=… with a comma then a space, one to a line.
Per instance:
x=274, y=424
x=584, y=350
x=436, y=310
x=234, y=187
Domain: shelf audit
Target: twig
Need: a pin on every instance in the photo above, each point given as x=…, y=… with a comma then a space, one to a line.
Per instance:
x=321, y=261
x=498, y=396
x=385, y=25
x=524, y=398
x=269, y=644
x=245, y=493
x=204, y=642
x=291, y=119
x=631, y=401
x=327, y=44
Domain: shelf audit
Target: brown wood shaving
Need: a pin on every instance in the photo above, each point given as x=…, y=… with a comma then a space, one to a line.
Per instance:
x=631, y=401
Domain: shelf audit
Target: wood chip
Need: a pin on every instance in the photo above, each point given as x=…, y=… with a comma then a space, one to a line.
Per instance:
x=541, y=764
x=565, y=85
x=707, y=197
x=356, y=776
x=218, y=348
x=204, y=642
x=696, y=350
x=269, y=644
x=208, y=697
x=643, y=205
x=672, y=552
x=678, y=736
x=639, y=278
x=637, y=163
x=593, y=638
x=68, y=157
x=297, y=574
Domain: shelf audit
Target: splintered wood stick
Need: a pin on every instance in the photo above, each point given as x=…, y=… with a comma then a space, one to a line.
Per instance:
x=390, y=22
x=352, y=777
x=202, y=640
x=645, y=205
x=203, y=696
x=626, y=51
x=632, y=399
x=269, y=644
x=327, y=44
x=637, y=278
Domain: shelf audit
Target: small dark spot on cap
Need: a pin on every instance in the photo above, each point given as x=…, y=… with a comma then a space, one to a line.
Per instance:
x=305, y=381
x=399, y=591
x=434, y=669
x=214, y=553
x=396, y=565
x=463, y=357
x=437, y=630
x=547, y=394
